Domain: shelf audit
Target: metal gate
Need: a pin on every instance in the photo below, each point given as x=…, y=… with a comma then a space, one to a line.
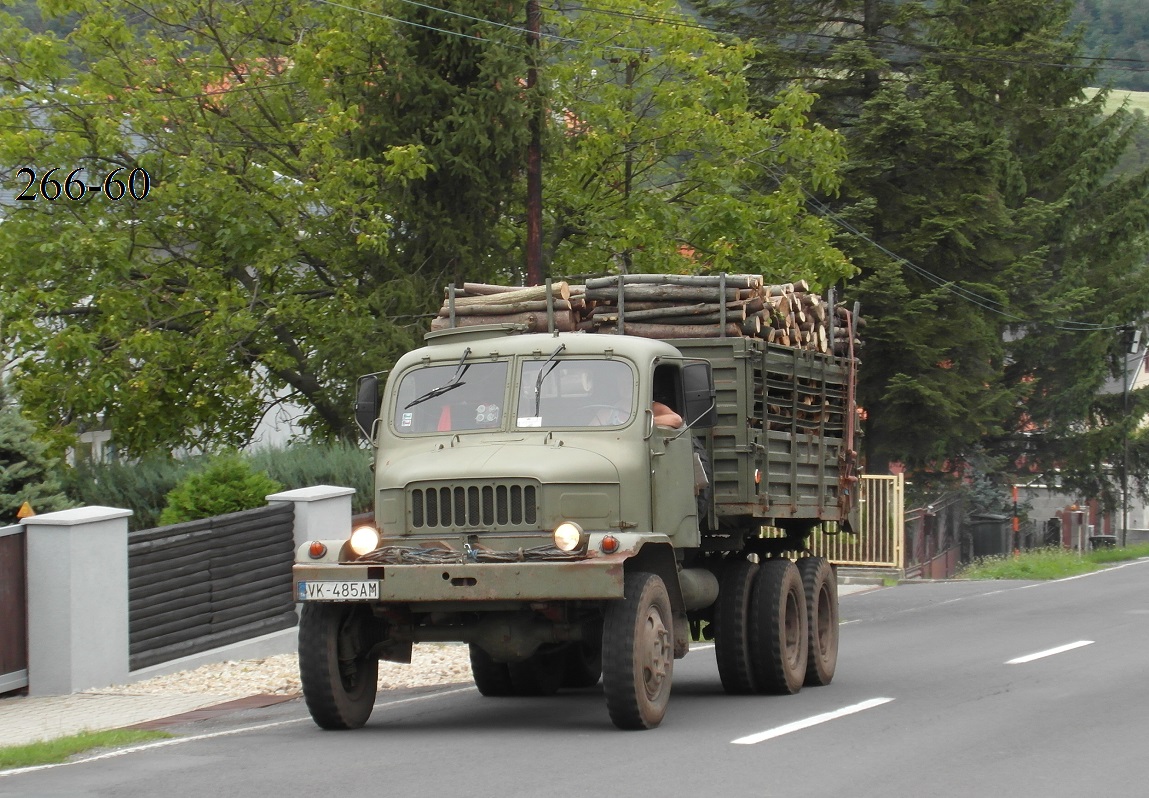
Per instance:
x=13, y=610
x=879, y=541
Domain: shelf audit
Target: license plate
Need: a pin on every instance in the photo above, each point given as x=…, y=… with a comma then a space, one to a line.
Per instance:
x=337, y=591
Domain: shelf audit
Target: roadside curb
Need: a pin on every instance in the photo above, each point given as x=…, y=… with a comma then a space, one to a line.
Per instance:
x=214, y=711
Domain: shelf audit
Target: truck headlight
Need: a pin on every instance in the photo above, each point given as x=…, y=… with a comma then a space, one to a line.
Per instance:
x=569, y=536
x=364, y=540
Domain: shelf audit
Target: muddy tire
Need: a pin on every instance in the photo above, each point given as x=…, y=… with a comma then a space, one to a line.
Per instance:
x=493, y=679
x=731, y=621
x=339, y=680
x=638, y=653
x=778, y=635
x=821, y=588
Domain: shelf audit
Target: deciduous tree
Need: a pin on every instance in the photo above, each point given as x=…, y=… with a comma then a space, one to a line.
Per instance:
x=313, y=175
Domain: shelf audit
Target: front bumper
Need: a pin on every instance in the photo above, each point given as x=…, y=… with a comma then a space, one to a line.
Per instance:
x=595, y=578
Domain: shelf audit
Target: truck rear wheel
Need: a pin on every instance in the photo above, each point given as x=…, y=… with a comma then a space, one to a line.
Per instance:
x=821, y=589
x=583, y=664
x=638, y=653
x=778, y=635
x=539, y=674
x=731, y=620
x=338, y=676
x=492, y=678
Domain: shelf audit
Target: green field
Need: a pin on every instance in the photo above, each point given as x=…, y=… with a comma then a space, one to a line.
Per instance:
x=1138, y=100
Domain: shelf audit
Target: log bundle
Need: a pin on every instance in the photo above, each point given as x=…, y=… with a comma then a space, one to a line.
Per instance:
x=663, y=306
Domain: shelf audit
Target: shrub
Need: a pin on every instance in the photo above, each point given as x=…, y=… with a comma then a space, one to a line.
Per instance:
x=227, y=485
x=141, y=486
x=304, y=465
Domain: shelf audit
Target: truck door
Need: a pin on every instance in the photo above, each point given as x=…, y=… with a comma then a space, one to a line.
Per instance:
x=673, y=508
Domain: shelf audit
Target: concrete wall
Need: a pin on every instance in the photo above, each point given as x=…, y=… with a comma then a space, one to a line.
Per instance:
x=78, y=594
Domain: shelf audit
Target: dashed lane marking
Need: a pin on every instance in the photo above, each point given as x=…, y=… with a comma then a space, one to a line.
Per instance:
x=798, y=725
x=1049, y=652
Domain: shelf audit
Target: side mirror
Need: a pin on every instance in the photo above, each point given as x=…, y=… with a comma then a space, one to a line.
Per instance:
x=367, y=405
x=701, y=398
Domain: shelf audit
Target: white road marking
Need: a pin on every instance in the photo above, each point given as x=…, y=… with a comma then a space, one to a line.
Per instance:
x=798, y=725
x=1049, y=652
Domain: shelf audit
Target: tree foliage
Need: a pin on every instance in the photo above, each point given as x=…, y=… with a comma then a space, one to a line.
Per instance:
x=318, y=172
x=27, y=473
x=999, y=254
x=661, y=163
x=307, y=168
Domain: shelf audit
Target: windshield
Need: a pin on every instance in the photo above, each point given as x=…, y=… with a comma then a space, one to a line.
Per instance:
x=451, y=398
x=575, y=393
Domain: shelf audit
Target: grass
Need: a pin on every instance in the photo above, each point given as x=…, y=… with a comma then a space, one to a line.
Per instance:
x=1048, y=563
x=1138, y=100
x=50, y=752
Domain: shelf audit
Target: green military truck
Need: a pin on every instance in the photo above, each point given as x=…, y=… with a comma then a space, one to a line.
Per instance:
x=528, y=505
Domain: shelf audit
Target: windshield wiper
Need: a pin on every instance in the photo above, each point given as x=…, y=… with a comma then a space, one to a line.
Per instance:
x=543, y=375
x=454, y=383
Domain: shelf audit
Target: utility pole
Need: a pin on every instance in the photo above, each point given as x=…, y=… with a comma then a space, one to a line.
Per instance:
x=1130, y=339
x=534, y=151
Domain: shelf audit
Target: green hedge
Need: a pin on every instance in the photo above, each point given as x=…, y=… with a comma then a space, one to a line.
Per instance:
x=143, y=486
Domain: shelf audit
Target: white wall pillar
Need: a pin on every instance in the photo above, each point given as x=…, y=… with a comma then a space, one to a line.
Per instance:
x=77, y=599
x=321, y=511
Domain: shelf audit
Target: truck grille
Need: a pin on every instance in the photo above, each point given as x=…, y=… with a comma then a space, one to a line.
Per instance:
x=470, y=506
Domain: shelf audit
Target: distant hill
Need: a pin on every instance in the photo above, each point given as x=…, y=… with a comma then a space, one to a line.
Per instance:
x=1118, y=30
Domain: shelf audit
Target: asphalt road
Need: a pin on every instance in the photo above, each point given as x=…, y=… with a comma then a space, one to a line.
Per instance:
x=951, y=689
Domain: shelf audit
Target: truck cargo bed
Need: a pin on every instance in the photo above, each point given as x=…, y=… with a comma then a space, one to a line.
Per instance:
x=779, y=449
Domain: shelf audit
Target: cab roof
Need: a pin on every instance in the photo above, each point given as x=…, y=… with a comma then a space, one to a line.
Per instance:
x=502, y=341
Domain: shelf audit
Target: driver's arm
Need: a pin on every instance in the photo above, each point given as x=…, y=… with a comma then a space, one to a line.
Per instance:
x=664, y=416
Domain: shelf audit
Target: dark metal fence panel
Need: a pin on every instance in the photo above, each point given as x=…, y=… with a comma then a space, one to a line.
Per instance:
x=203, y=584
x=13, y=609
x=934, y=538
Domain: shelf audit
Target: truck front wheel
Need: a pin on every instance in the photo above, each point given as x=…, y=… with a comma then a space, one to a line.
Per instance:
x=638, y=653
x=338, y=676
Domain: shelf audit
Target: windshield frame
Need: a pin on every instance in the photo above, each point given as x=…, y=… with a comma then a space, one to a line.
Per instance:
x=606, y=385
x=472, y=403
x=518, y=394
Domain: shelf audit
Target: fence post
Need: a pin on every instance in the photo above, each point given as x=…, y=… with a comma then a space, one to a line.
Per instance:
x=321, y=511
x=77, y=599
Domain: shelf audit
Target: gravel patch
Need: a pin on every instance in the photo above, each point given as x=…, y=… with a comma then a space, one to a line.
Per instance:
x=431, y=664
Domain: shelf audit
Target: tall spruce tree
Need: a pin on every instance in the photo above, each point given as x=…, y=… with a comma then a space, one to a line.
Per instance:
x=998, y=251
x=27, y=474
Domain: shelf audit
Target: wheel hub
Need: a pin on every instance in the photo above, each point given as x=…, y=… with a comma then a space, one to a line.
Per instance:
x=657, y=646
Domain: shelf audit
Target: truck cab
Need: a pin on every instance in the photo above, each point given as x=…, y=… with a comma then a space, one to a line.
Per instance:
x=495, y=440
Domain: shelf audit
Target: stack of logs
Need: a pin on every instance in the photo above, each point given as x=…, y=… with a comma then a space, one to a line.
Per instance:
x=663, y=306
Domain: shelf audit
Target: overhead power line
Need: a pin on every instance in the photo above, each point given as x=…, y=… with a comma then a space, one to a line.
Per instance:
x=965, y=294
